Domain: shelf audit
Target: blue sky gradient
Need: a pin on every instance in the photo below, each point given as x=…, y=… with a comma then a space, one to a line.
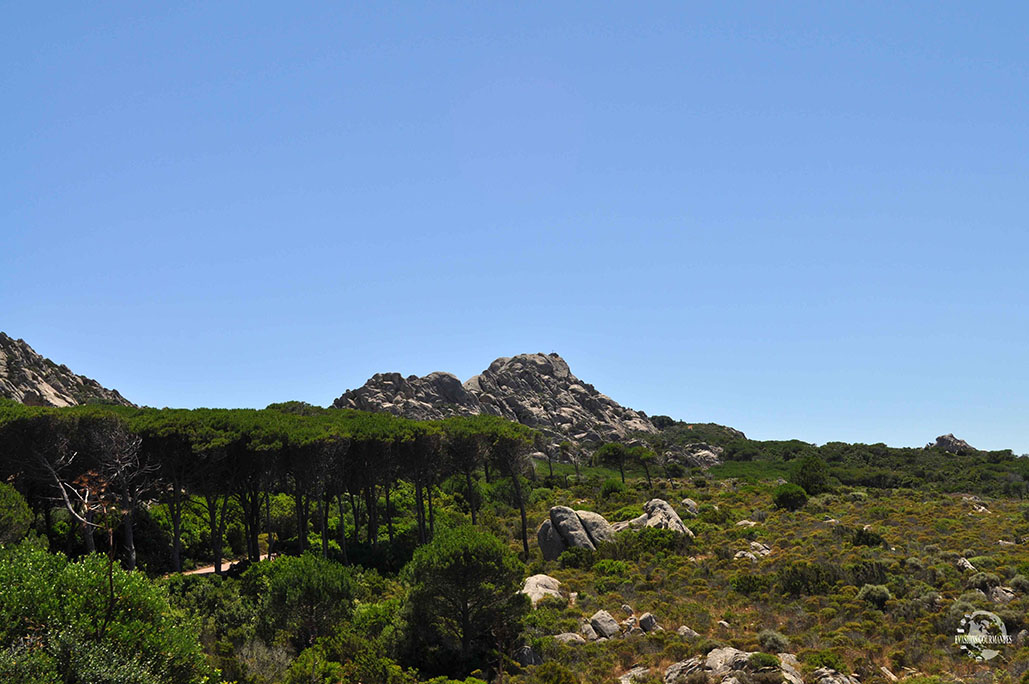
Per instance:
x=803, y=221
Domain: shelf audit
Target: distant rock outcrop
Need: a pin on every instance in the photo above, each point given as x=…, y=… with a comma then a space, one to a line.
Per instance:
x=537, y=390
x=31, y=379
x=952, y=444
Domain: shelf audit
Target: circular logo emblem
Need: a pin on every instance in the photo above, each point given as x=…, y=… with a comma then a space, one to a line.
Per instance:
x=979, y=632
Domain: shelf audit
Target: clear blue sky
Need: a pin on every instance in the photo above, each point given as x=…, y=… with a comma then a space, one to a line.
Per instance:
x=802, y=220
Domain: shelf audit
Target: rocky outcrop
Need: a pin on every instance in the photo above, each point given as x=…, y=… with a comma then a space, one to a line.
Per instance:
x=660, y=514
x=696, y=455
x=952, y=444
x=730, y=664
x=539, y=587
x=29, y=378
x=567, y=529
x=537, y=390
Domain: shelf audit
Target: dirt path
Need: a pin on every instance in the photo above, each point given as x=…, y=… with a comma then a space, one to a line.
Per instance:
x=210, y=568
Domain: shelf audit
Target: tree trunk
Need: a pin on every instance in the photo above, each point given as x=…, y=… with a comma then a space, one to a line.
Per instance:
x=419, y=502
x=175, y=509
x=432, y=513
x=323, y=510
x=300, y=506
x=389, y=514
x=521, y=510
x=342, y=529
x=471, y=495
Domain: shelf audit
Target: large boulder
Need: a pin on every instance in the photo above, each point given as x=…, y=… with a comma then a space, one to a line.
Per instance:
x=636, y=674
x=538, y=587
x=827, y=675
x=570, y=528
x=661, y=515
x=604, y=625
x=597, y=527
x=526, y=656
x=648, y=623
x=677, y=673
x=550, y=541
x=691, y=507
x=569, y=638
x=952, y=444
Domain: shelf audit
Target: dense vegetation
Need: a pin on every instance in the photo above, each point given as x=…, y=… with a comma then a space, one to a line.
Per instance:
x=401, y=546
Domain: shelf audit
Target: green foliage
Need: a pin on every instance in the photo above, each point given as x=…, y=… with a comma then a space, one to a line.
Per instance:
x=15, y=515
x=84, y=630
x=983, y=581
x=761, y=660
x=301, y=598
x=747, y=584
x=824, y=658
x=863, y=537
x=553, y=673
x=611, y=487
x=576, y=557
x=464, y=593
x=811, y=474
x=804, y=578
x=876, y=594
x=789, y=496
x=772, y=641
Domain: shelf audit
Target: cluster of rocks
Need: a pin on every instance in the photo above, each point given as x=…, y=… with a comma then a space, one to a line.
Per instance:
x=695, y=455
x=603, y=626
x=566, y=528
x=537, y=390
x=29, y=378
x=730, y=666
x=757, y=550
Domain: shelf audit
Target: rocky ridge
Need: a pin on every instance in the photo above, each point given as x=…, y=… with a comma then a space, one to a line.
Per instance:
x=537, y=390
x=29, y=378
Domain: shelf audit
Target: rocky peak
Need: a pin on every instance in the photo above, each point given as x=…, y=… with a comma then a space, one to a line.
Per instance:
x=537, y=390
x=952, y=444
x=31, y=379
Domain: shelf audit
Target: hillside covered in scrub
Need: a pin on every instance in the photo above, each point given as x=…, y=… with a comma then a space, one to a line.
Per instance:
x=343, y=546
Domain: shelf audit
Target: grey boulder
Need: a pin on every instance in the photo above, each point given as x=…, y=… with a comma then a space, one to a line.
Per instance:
x=538, y=587
x=604, y=625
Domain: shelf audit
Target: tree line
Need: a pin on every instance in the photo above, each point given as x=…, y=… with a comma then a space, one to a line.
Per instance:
x=103, y=464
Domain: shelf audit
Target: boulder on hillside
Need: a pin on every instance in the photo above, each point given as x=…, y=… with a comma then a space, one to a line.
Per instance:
x=636, y=674
x=538, y=587
x=648, y=623
x=604, y=625
x=551, y=544
x=633, y=524
x=597, y=527
x=661, y=515
x=964, y=564
x=687, y=632
x=827, y=675
x=692, y=507
x=569, y=638
x=567, y=529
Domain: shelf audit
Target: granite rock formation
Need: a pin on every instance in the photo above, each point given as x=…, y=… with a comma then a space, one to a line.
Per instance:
x=32, y=379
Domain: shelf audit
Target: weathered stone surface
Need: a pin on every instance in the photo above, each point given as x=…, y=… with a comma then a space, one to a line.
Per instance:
x=526, y=656
x=550, y=541
x=760, y=549
x=31, y=379
x=691, y=507
x=634, y=675
x=634, y=524
x=827, y=675
x=964, y=564
x=698, y=455
x=745, y=555
x=722, y=660
x=597, y=527
x=537, y=587
x=537, y=390
x=586, y=629
x=570, y=638
x=627, y=609
x=570, y=528
x=746, y=523
x=604, y=625
x=648, y=623
x=687, y=632
x=661, y=515
x=678, y=672
x=1002, y=595
x=952, y=444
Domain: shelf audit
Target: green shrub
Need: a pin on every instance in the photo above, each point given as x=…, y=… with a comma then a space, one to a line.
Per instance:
x=789, y=496
x=865, y=537
x=553, y=673
x=611, y=487
x=747, y=584
x=761, y=660
x=15, y=515
x=804, y=578
x=876, y=594
x=817, y=659
x=576, y=557
x=983, y=581
x=772, y=641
